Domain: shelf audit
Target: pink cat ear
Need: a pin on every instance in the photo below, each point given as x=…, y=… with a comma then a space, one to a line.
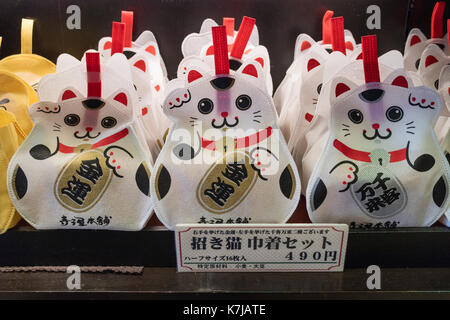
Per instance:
x=68, y=94
x=414, y=40
x=341, y=88
x=400, y=81
x=122, y=98
x=193, y=75
x=430, y=60
x=140, y=64
x=250, y=69
x=305, y=45
x=107, y=45
x=312, y=63
x=151, y=49
x=260, y=60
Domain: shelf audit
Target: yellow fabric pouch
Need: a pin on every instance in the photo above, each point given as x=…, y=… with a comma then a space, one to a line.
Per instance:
x=15, y=124
x=28, y=66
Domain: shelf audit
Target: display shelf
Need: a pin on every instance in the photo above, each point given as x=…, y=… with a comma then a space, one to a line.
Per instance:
x=166, y=283
x=155, y=247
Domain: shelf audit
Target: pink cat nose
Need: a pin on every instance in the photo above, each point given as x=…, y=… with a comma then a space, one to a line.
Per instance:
x=88, y=129
x=224, y=114
x=376, y=126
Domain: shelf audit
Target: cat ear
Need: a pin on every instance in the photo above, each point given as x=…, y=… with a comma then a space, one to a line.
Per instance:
x=121, y=97
x=254, y=36
x=140, y=64
x=144, y=38
x=194, y=43
x=69, y=94
x=65, y=62
x=350, y=43
x=399, y=78
x=207, y=24
x=189, y=63
x=415, y=36
x=104, y=44
x=302, y=44
x=194, y=74
x=432, y=57
x=340, y=87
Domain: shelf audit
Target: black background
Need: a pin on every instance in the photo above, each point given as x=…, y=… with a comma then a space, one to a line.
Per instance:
x=279, y=22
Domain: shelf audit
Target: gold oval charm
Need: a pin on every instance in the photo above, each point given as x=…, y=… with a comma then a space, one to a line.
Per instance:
x=226, y=183
x=83, y=181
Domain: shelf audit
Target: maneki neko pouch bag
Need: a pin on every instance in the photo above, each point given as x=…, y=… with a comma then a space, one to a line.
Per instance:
x=15, y=123
x=382, y=165
x=242, y=47
x=83, y=166
x=416, y=42
x=224, y=160
x=28, y=66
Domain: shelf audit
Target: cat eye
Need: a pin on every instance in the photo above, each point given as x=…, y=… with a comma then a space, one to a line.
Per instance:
x=394, y=114
x=205, y=106
x=72, y=120
x=108, y=122
x=243, y=102
x=355, y=116
x=319, y=88
x=436, y=84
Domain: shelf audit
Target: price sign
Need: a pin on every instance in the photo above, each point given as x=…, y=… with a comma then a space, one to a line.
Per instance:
x=261, y=247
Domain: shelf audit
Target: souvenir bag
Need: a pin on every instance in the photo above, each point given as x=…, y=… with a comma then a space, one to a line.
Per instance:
x=15, y=123
x=82, y=166
x=28, y=66
x=149, y=76
x=416, y=42
x=224, y=160
x=242, y=47
x=432, y=61
x=302, y=113
x=382, y=165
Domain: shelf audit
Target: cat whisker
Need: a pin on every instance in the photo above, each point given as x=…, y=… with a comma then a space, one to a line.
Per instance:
x=257, y=111
x=410, y=132
x=410, y=127
x=258, y=116
x=410, y=123
x=345, y=129
x=256, y=121
x=347, y=134
x=345, y=125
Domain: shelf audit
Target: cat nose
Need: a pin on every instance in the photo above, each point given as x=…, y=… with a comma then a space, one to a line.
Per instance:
x=376, y=126
x=224, y=114
x=88, y=129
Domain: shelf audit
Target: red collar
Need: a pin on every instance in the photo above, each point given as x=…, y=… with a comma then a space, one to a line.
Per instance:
x=244, y=142
x=108, y=140
x=397, y=155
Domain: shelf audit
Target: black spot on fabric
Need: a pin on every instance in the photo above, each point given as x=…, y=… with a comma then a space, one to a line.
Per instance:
x=440, y=45
x=40, y=152
x=447, y=155
x=371, y=95
x=423, y=163
x=417, y=64
x=440, y=192
x=184, y=151
x=319, y=194
x=20, y=183
x=163, y=182
x=93, y=104
x=222, y=83
x=287, y=182
x=329, y=50
x=235, y=64
x=143, y=179
x=129, y=54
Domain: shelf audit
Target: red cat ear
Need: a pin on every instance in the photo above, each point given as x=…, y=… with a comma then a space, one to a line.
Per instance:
x=400, y=81
x=122, y=98
x=250, y=69
x=430, y=60
x=68, y=94
x=414, y=40
x=341, y=88
x=193, y=75
x=107, y=45
x=210, y=51
x=349, y=46
x=151, y=49
x=305, y=45
x=140, y=64
x=260, y=60
x=312, y=63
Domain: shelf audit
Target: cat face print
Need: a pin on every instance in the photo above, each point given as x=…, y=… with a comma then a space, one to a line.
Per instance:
x=381, y=115
x=78, y=120
x=233, y=101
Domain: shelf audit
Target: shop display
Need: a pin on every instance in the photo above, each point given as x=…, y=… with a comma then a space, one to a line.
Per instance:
x=83, y=150
x=224, y=154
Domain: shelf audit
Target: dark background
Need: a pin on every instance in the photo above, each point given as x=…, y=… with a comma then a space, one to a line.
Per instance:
x=279, y=22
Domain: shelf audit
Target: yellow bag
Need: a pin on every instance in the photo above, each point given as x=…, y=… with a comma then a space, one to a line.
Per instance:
x=15, y=124
x=28, y=66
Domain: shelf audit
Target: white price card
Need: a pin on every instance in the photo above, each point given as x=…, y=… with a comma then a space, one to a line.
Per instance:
x=261, y=247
